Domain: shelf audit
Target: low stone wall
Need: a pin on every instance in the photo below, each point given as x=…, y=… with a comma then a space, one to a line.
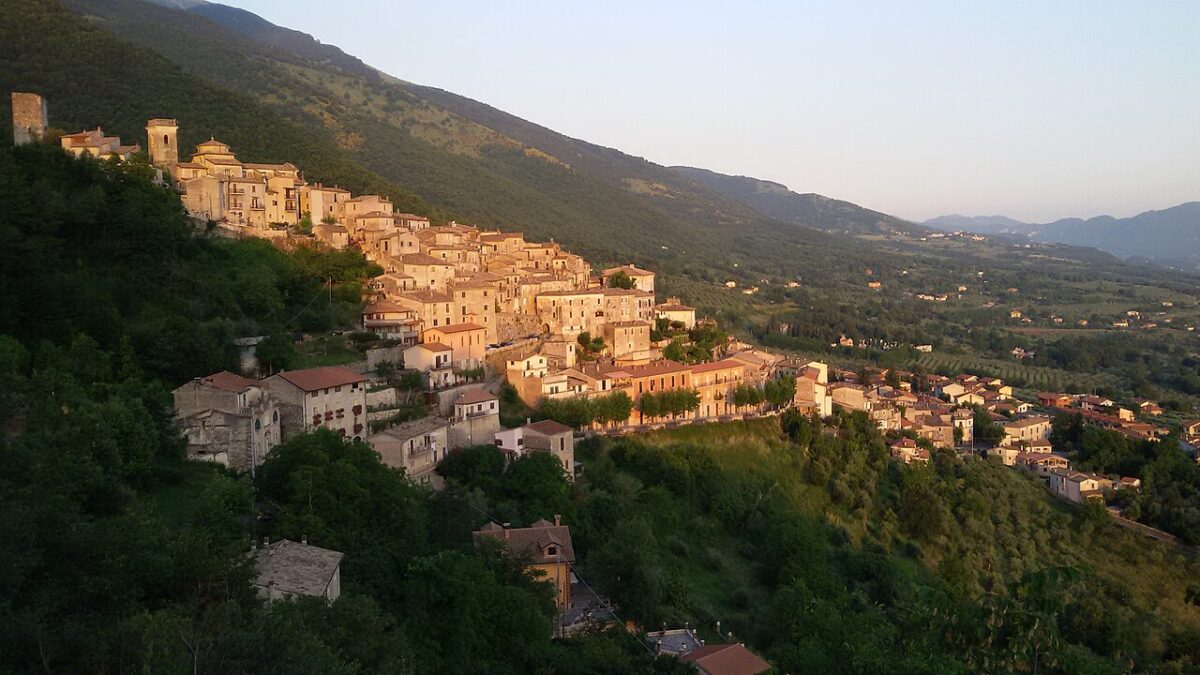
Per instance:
x=380, y=354
x=381, y=397
x=511, y=326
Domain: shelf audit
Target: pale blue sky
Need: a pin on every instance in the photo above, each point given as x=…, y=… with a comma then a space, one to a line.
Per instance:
x=1036, y=110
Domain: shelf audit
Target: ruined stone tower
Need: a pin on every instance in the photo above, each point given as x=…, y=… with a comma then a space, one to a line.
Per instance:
x=162, y=142
x=28, y=116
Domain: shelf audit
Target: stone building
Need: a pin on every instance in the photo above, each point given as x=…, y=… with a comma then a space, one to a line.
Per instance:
x=475, y=420
x=548, y=546
x=28, y=117
x=227, y=419
x=287, y=569
x=321, y=398
x=162, y=143
x=416, y=447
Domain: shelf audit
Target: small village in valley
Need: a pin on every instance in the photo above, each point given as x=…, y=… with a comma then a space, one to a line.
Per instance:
x=472, y=326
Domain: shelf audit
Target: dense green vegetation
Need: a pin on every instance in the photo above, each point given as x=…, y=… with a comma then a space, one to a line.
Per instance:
x=1169, y=498
x=804, y=540
x=811, y=545
x=122, y=557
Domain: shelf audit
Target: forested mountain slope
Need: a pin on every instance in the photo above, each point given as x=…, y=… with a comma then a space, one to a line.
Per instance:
x=480, y=165
x=808, y=209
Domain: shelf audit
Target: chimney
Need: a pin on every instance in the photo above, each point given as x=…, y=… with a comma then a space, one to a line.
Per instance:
x=304, y=539
x=557, y=519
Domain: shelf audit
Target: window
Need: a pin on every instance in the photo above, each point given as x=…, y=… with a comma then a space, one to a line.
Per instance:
x=166, y=139
x=551, y=550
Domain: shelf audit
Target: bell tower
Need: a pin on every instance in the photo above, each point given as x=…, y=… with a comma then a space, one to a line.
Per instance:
x=162, y=141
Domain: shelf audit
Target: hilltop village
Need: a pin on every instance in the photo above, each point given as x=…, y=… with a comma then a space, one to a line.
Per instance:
x=469, y=324
x=467, y=310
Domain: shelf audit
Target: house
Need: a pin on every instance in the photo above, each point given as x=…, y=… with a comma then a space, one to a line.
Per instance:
x=1129, y=483
x=433, y=359
x=676, y=312
x=907, y=451
x=332, y=398
x=849, y=396
x=228, y=419
x=1025, y=431
x=1041, y=463
x=643, y=280
x=1052, y=400
x=392, y=321
x=98, y=145
x=570, y=313
x=553, y=437
x=467, y=343
x=415, y=446
x=728, y=659
x=286, y=569
x=628, y=341
x=548, y=547
x=674, y=642
x=1006, y=453
x=1151, y=408
x=714, y=382
x=476, y=418
x=1076, y=486
x=812, y=390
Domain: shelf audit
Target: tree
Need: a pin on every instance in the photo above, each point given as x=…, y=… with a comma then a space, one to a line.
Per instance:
x=781, y=391
x=575, y=412
x=614, y=407
x=275, y=353
x=649, y=405
x=675, y=352
x=619, y=280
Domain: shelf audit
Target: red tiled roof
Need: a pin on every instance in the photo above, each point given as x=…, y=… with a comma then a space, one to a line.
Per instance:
x=733, y=659
x=475, y=396
x=229, y=381
x=312, y=379
x=717, y=365
x=535, y=540
x=434, y=347
x=548, y=427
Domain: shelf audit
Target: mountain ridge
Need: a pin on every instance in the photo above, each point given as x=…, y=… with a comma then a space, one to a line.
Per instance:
x=1167, y=235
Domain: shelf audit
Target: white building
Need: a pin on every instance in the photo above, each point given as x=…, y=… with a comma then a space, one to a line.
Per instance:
x=321, y=398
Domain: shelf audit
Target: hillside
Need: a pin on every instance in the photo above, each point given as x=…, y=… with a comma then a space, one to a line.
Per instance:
x=808, y=209
x=475, y=163
x=1169, y=235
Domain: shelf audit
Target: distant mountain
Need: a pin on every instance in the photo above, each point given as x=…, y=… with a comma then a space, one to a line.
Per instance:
x=1168, y=236
x=980, y=224
x=808, y=209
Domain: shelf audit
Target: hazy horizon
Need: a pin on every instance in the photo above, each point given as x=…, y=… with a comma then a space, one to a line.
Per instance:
x=1032, y=111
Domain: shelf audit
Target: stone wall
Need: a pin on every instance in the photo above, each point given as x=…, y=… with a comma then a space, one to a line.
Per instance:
x=512, y=326
x=479, y=430
x=380, y=354
x=28, y=117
